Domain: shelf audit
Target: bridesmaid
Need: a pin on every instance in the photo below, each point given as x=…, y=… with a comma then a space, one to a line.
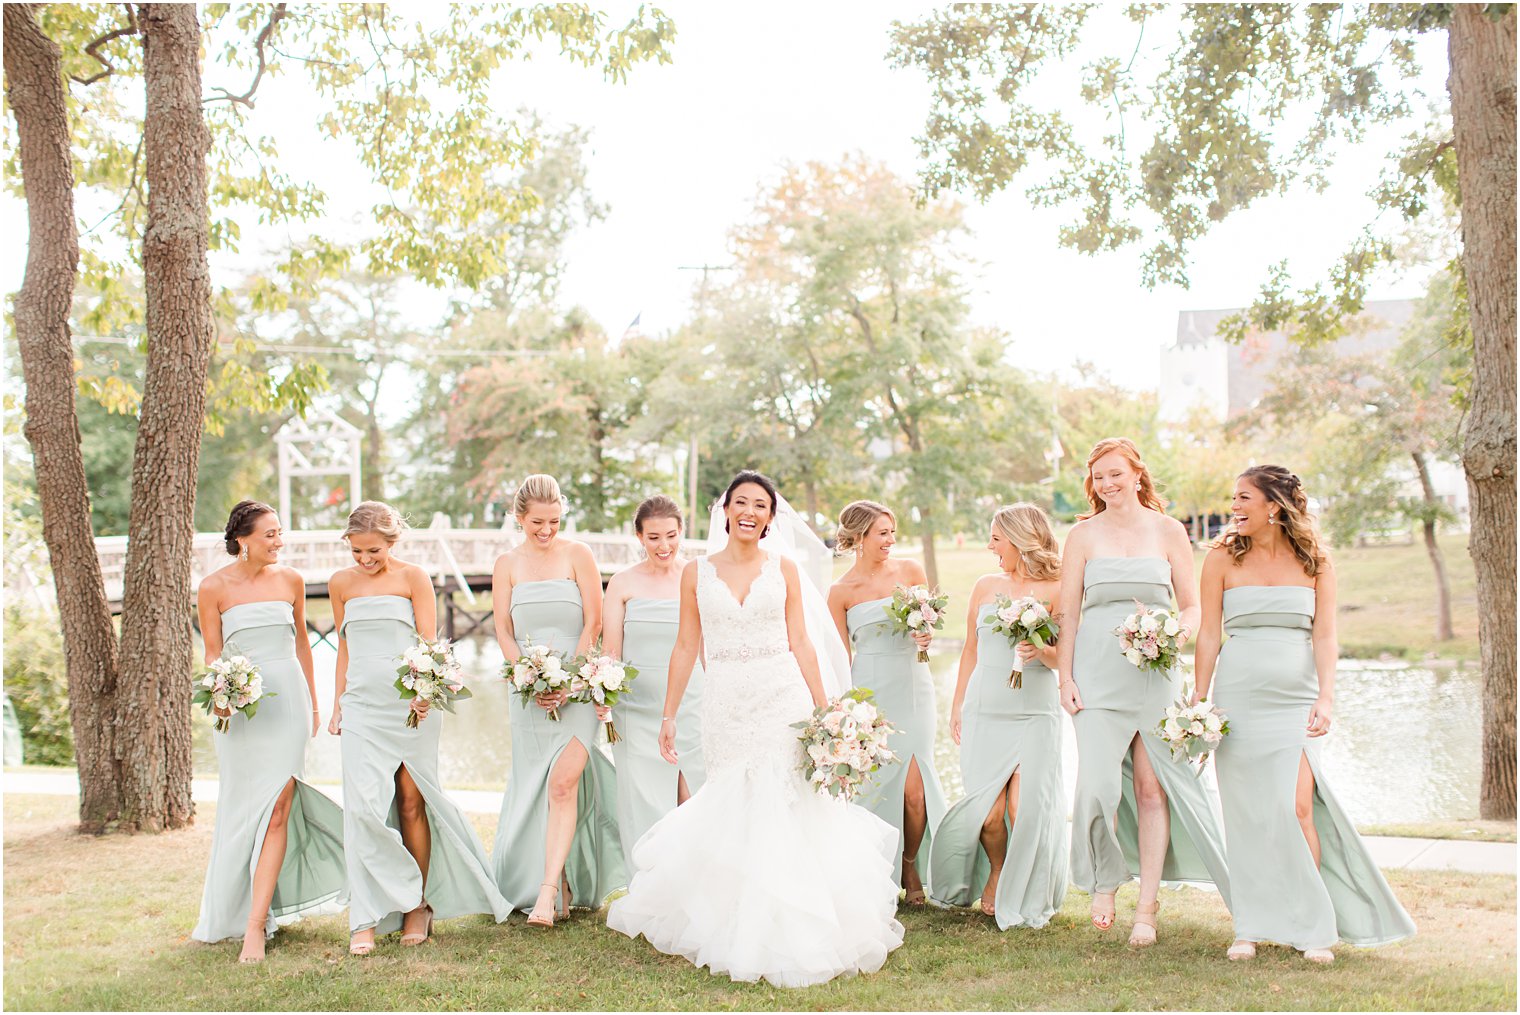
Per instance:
x=907, y=794
x=1009, y=833
x=641, y=619
x=1313, y=882
x=277, y=849
x=1136, y=810
x=557, y=840
x=412, y=854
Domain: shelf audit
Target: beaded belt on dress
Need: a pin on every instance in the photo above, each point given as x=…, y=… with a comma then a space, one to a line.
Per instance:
x=745, y=653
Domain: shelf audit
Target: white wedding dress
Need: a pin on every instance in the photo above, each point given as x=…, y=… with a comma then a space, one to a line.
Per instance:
x=757, y=876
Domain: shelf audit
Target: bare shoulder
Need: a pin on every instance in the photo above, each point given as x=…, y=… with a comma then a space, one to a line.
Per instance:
x=620, y=584
x=341, y=581
x=911, y=572
x=579, y=552
x=1172, y=529
x=1217, y=559
x=1080, y=534
x=789, y=569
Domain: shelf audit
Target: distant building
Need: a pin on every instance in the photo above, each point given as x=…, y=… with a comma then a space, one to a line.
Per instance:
x=1201, y=368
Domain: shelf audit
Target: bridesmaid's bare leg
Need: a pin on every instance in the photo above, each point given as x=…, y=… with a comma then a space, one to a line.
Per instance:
x=915, y=822
x=994, y=839
x=1303, y=805
x=266, y=873
x=564, y=792
x=417, y=837
x=1155, y=822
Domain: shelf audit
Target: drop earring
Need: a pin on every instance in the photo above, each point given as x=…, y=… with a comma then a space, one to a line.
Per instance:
x=245, y=553
x=1137, y=486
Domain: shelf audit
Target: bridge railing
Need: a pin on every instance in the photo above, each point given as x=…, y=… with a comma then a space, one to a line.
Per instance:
x=442, y=552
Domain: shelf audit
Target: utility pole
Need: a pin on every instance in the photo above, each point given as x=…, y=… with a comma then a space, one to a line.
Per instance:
x=692, y=461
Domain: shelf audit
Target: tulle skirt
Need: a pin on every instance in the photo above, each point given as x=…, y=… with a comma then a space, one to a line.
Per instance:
x=758, y=877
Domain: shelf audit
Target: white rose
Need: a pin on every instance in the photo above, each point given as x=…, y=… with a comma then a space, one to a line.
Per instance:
x=1213, y=722
x=1030, y=619
x=915, y=620
x=1195, y=728
x=221, y=701
x=424, y=687
x=1171, y=627
x=1148, y=624
x=1134, y=656
x=1173, y=729
x=552, y=664
x=612, y=679
x=864, y=712
x=1008, y=615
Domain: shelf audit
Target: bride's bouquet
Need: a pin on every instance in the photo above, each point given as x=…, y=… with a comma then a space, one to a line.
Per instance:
x=232, y=683
x=1024, y=619
x=539, y=670
x=844, y=743
x=1151, y=639
x=600, y=680
x=428, y=671
x=1193, y=731
x=917, y=608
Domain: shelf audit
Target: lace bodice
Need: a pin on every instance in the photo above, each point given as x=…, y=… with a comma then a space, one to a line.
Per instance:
x=754, y=629
x=753, y=689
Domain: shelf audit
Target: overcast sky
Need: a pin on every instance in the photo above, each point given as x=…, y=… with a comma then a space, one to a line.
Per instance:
x=680, y=152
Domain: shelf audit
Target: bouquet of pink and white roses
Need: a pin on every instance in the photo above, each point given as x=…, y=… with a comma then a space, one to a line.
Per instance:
x=1193, y=731
x=539, y=670
x=1151, y=639
x=600, y=680
x=917, y=608
x=1024, y=619
x=232, y=683
x=843, y=743
x=428, y=671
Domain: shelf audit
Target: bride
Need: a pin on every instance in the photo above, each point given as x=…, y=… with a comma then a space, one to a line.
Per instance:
x=757, y=875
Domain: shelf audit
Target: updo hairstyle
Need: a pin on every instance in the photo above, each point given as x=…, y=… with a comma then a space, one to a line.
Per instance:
x=377, y=517
x=536, y=489
x=240, y=522
x=1286, y=490
x=658, y=506
x=855, y=521
x=759, y=479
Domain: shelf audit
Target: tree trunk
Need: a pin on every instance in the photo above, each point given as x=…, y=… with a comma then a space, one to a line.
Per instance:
x=810, y=500
x=153, y=708
x=926, y=538
x=35, y=90
x=1482, y=86
x=1437, y=558
x=374, y=446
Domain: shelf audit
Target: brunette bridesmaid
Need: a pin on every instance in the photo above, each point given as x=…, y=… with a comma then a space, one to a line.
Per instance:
x=1303, y=876
x=277, y=849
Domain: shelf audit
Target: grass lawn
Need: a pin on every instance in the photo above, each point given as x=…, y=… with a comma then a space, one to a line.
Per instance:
x=1473, y=830
x=1387, y=595
x=103, y=924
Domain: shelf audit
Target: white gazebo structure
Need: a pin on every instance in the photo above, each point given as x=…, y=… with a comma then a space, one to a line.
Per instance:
x=321, y=444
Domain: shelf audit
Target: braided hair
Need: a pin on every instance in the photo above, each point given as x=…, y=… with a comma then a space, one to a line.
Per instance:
x=240, y=522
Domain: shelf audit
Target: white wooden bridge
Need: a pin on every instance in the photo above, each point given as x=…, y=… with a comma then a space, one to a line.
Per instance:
x=459, y=561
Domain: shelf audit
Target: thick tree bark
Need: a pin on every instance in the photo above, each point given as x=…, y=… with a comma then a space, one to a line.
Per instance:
x=1482, y=86
x=1433, y=548
x=35, y=89
x=153, y=706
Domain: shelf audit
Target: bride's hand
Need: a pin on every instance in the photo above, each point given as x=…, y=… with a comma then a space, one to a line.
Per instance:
x=668, y=741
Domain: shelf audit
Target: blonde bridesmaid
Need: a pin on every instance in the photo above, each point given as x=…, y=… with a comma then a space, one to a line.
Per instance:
x=412, y=855
x=557, y=839
x=906, y=794
x=1006, y=840
x=1304, y=877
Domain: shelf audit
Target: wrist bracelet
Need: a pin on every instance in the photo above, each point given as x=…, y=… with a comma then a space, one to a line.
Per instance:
x=667, y=718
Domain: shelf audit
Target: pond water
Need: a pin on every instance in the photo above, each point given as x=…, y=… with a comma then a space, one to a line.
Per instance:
x=1405, y=746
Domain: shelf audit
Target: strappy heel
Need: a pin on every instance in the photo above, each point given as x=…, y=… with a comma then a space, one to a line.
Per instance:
x=1322, y=956
x=916, y=896
x=360, y=947
x=1241, y=951
x=413, y=940
x=1104, y=919
x=562, y=892
x=1145, y=919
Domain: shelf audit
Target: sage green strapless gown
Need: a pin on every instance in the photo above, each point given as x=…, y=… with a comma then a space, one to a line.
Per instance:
x=646, y=782
x=549, y=613
x=1121, y=700
x=1266, y=684
x=256, y=759
x=384, y=881
x=887, y=663
x=1004, y=729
